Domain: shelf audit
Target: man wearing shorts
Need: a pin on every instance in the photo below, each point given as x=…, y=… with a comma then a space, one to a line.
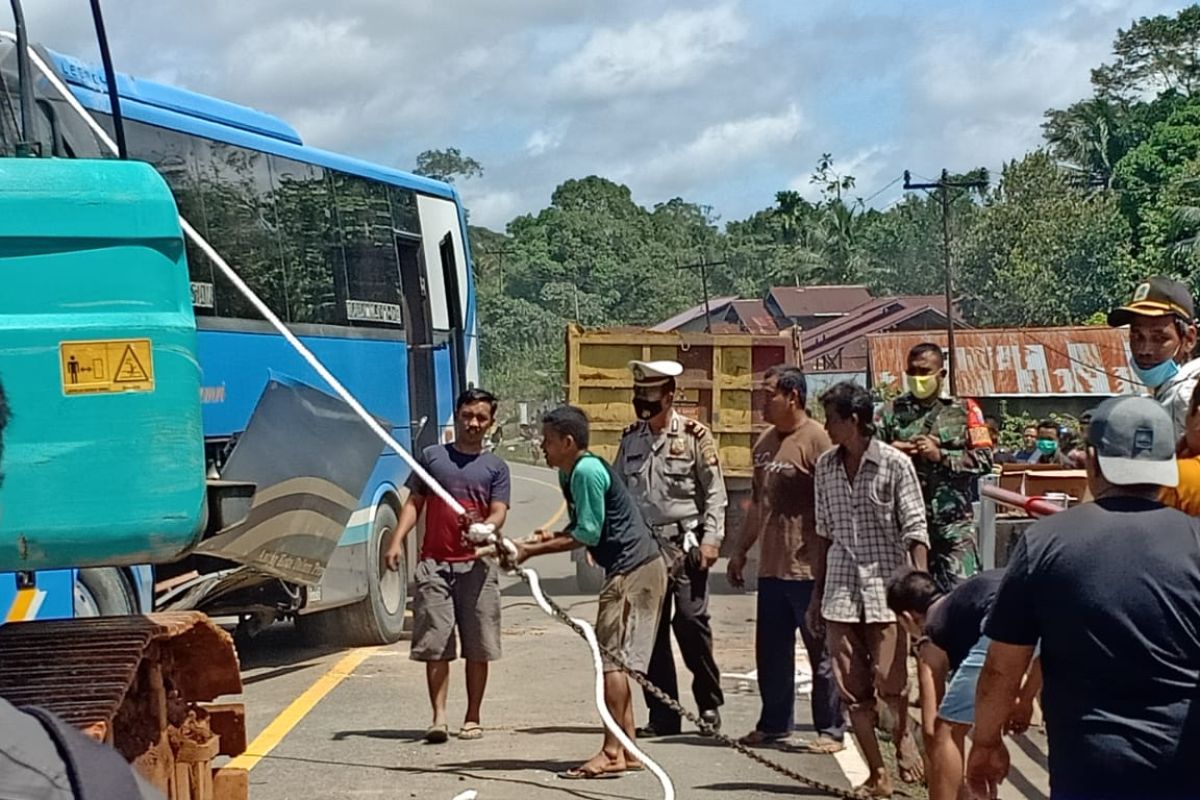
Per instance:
x=948, y=630
x=604, y=518
x=454, y=591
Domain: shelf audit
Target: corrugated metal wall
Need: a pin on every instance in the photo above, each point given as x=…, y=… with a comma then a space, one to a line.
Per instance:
x=1020, y=362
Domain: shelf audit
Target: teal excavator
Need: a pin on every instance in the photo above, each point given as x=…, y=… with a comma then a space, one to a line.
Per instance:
x=102, y=458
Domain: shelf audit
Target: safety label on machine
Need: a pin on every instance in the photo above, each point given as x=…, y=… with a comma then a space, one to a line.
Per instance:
x=110, y=365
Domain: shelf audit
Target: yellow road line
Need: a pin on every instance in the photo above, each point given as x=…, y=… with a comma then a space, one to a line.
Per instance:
x=290, y=717
x=21, y=605
x=562, y=508
x=298, y=709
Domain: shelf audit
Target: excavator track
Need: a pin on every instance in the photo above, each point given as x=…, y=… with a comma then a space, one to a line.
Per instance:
x=145, y=685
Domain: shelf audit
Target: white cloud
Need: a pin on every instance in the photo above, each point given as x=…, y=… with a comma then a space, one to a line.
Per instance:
x=722, y=147
x=991, y=111
x=675, y=50
x=491, y=209
x=543, y=140
x=674, y=97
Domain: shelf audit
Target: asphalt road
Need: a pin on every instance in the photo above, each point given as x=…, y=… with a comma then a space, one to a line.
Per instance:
x=348, y=724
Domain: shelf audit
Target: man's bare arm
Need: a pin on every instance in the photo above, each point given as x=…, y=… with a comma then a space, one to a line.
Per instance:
x=410, y=512
x=497, y=513
x=919, y=554
x=932, y=668
x=999, y=685
x=560, y=542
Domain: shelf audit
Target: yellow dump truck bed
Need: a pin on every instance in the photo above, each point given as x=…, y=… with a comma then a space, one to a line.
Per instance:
x=721, y=373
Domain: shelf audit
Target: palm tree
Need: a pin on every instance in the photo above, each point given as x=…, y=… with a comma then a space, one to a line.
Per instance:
x=1086, y=138
x=792, y=211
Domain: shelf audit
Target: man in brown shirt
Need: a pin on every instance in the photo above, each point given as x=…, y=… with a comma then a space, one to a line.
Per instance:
x=782, y=516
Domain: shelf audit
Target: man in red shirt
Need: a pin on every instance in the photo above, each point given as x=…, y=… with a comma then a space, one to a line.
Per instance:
x=454, y=590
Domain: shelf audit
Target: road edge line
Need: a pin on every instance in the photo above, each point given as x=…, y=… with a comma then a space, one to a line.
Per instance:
x=851, y=762
x=298, y=709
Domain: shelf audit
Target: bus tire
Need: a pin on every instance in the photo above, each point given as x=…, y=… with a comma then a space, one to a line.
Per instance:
x=103, y=592
x=588, y=577
x=377, y=618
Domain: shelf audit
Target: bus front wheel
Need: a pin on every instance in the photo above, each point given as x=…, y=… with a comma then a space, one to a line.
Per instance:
x=377, y=618
x=103, y=592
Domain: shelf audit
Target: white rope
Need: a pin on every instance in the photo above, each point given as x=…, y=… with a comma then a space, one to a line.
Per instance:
x=391, y=443
x=598, y=665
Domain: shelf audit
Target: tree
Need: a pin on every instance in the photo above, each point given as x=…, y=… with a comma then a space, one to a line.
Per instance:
x=1156, y=54
x=1087, y=137
x=446, y=165
x=1042, y=252
x=1146, y=170
x=793, y=213
x=902, y=247
x=593, y=256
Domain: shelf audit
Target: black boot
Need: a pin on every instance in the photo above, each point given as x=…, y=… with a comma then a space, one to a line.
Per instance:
x=653, y=730
x=713, y=717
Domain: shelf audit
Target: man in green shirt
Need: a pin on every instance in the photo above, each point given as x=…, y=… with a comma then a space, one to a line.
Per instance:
x=604, y=518
x=950, y=446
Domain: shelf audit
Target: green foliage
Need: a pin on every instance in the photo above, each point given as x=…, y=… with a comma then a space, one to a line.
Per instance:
x=1043, y=253
x=1149, y=168
x=1155, y=54
x=446, y=165
x=902, y=248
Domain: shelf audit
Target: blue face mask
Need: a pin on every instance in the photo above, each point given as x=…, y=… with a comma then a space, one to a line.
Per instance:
x=1157, y=375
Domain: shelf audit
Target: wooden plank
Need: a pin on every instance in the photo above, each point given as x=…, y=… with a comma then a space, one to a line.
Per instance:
x=202, y=781
x=182, y=785
x=191, y=752
x=718, y=361
x=228, y=721
x=230, y=783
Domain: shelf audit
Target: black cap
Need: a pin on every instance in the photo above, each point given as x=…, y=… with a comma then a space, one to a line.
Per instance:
x=1156, y=297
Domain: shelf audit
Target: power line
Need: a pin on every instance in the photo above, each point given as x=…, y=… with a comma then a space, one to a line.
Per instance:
x=943, y=186
x=703, y=264
x=895, y=180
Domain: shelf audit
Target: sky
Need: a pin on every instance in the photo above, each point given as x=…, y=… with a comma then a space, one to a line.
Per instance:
x=721, y=103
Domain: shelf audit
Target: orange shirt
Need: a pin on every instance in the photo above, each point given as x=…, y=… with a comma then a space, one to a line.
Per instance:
x=1186, y=496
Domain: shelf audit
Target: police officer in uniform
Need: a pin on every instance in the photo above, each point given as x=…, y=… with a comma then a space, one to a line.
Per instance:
x=670, y=465
x=950, y=445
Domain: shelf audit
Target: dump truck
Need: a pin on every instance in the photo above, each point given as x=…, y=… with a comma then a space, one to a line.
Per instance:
x=719, y=387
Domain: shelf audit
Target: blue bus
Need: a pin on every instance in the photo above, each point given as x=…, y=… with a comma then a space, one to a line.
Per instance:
x=368, y=265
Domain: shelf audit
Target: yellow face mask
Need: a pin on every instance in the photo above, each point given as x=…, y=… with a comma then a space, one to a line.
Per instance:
x=923, y=387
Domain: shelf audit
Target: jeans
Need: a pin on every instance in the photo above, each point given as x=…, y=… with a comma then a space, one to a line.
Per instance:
x=782, y=605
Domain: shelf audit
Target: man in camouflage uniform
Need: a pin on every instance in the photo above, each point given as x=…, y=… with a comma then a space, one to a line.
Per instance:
x=950, y=446
x=670, y=466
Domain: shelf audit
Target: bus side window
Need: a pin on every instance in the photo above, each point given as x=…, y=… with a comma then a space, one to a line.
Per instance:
x=241, y=223
x=313, y=261
x=364, y=219
x=173, y=155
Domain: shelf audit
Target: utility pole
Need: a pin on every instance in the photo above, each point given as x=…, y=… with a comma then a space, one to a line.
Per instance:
x=703, y=264
x=501, y=253
x=944, y=185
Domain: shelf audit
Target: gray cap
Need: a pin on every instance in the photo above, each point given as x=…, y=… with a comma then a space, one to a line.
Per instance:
x=1134, y=439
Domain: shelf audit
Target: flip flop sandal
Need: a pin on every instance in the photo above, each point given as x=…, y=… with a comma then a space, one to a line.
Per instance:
x=819, y=746
x=437, y=734
x=761, y=739
x=581, y=774
x=471, y=730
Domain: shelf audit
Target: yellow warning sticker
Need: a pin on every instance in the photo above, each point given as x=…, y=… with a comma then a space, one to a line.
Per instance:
x=111, y=365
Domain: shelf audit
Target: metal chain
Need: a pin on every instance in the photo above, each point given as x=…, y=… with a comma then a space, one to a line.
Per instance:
x=705, y=728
